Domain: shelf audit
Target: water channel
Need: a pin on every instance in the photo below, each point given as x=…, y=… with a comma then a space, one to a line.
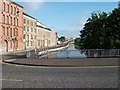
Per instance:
x=70, y=52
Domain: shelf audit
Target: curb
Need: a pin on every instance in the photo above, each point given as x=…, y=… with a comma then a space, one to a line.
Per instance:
x=23, y=64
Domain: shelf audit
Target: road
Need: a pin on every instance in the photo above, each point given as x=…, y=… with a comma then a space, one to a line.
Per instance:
x=14, y=76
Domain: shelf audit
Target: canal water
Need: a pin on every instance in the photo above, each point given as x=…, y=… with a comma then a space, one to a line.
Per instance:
x=70, y=52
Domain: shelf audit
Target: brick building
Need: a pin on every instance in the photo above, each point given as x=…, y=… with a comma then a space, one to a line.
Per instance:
x=11, y=25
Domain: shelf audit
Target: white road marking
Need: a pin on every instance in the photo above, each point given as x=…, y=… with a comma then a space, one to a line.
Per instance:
x=14, y=80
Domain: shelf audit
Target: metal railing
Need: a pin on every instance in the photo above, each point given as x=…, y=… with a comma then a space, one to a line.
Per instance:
x=88, y=53
x=101, y=52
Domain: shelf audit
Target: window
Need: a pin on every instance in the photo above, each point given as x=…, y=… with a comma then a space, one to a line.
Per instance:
x=35, y=37
x=31, y=23
x=11, y=32
x=17, y=32
x=3, y=19
x=35, y=30
x=28, y=22
x=27, y=37
x=17, y=22
x=11, y=20
x=23, y=36
x=7, y=8
x=31, y=36
x=3, y=31
x=17, y=13
x=11, y=43
x=14, y=32
x=7, y=32
x=14, y=21
x=3, y=7
x=31, y=43
x=27, y=43
x=7, y=20
x=24, y=21
x=11, y=9
x=17, y=43
x=14, y=11
x=27, y=28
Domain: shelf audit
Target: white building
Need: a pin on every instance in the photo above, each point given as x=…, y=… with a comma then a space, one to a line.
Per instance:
x=45, y=36
x=29, y=32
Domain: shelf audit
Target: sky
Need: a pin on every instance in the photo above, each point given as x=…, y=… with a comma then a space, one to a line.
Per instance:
x=65, y=18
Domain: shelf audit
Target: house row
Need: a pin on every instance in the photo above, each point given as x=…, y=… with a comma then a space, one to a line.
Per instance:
x=20, y=31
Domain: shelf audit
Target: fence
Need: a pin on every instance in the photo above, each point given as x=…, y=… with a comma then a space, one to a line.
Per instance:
x=90, y=53
x=101, y=52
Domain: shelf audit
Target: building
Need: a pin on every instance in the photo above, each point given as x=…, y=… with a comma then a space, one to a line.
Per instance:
x=54, y=38
x=45, y=36
x=29, y=32
x=20, y=31
x=10, y=26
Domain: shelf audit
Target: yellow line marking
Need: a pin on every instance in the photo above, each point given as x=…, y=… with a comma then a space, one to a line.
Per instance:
x=62, y=67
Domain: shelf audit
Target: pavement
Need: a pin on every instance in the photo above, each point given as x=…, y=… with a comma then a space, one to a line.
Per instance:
x=68, y=62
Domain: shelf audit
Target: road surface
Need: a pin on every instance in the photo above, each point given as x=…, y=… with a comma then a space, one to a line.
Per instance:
x=14, y=76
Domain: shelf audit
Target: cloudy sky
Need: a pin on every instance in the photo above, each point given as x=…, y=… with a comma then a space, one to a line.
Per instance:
x=66, y=18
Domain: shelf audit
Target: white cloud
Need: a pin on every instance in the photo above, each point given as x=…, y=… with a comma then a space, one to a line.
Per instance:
x=74, y=29
x=32, y=6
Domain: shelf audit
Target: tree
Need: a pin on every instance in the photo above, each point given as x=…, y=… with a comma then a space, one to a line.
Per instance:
x=114, y=24
x=62, y=39
x=92, y=31
x=101, y=31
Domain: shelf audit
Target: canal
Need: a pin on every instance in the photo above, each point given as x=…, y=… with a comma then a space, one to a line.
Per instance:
x=70, y=52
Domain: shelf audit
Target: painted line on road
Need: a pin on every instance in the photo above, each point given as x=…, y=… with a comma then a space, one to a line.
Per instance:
x=14, y=80
x=61, y=67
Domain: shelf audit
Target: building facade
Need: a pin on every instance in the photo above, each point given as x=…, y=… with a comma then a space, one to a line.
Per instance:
x=20, y=31
x=10, y=26
x=54, y=39
x=29, y=32
x=45, y=36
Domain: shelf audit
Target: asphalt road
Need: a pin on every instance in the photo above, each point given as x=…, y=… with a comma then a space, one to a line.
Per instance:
x=45, y=77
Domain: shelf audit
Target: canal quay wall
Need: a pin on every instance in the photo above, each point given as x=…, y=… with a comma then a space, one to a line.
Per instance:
x=46, y=51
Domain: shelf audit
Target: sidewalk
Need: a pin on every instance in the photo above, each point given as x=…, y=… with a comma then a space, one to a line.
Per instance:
x=66, y=62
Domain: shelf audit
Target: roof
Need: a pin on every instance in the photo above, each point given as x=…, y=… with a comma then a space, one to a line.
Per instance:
x=44, y=28
x=29, y=16
x=16, y=4
x=42, y=24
